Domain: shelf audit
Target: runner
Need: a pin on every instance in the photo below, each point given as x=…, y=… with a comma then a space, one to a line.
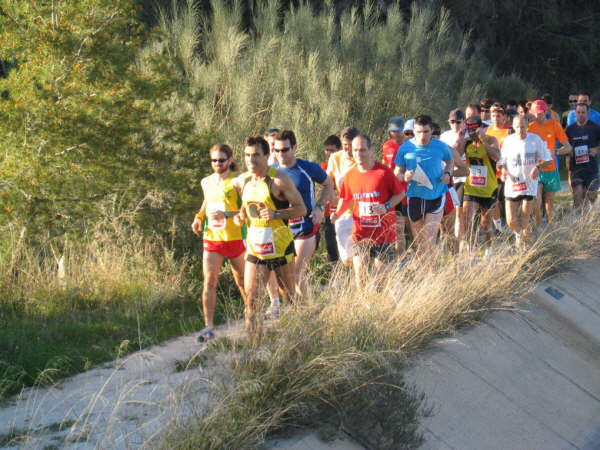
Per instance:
x=485, y=108
x=270, y=138
x=388, y=152
x=481, y=184
x=550, y=113
x=331, y=145
x=549, y=180
x=499, y=129
x=593, y=115
x=419, y=161
x=584, y=137
x=374, y=191
x=222, y=237
x=455, y=139
x=269, y=200
x=572, y=103
x=339, y=163
x=520, y=164
x=304, y=174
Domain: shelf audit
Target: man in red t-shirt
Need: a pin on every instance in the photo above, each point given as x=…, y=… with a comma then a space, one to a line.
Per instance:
x=388, y=152
x=375, y=191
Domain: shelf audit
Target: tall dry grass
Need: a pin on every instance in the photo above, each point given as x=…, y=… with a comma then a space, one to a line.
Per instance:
x=337, y=359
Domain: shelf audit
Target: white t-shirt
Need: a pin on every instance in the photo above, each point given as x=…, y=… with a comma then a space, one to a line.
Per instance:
x=449, y=138
x=519, y=156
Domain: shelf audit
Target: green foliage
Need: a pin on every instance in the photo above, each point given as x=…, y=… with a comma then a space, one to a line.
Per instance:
x=84, y=121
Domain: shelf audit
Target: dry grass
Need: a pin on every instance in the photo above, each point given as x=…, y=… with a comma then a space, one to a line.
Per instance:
x=346, y=346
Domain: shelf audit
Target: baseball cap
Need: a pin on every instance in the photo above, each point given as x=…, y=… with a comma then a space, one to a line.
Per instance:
x=474, y=122
x=456, y=114
x=538, y=106
x=396, y=123
x=409, y=125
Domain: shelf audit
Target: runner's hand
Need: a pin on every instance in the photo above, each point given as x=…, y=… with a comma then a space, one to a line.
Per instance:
x=503, y=175
x=446, y=178
x=408, y=175
x=317, y=215
x=534, y=173
x=378, y=209
x=332, y=218
x=266, y=213
x=197, y=226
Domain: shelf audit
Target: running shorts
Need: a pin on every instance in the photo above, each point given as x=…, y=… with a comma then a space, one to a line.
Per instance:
x=585, y=178
x=274, y=263
x=419, y=207
x=550, y=180
x=307, y=235
x=460, y=191
x=229, y=249
x=483, y=202
x=343, y=231
x=520, y=197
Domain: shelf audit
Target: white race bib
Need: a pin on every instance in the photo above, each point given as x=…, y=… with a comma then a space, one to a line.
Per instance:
x=582, y=154
x=368, y=217
x=519, y=187
x=212, y=207
x=478, y=175
x=261, y=241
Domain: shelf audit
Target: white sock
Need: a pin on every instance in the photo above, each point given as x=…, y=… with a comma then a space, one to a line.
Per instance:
x=498, y=224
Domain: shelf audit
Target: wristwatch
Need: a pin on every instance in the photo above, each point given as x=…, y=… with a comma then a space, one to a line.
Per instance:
x=320, y=206
x=388, y=206
x=277, y=215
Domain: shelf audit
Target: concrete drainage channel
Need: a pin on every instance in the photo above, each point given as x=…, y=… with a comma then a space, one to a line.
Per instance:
x=524, y=379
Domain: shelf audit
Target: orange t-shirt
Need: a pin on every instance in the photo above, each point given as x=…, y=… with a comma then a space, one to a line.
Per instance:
x=500, y=134
x=550, y=131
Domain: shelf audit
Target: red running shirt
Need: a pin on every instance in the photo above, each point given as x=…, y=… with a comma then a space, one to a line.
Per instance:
x=388, y=153
x=376, y=186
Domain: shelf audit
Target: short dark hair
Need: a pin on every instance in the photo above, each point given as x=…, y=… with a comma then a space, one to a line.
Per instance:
x=366, y=138
x=257, y=141
x=586, y=93
x=424, y=120
x=511, y=102
x=333, y=140
x=286, y=135
x=547, y=98
x=523, y=104
x=587, y=107
x=474, y=106
x=349, y=133
x=435, y=129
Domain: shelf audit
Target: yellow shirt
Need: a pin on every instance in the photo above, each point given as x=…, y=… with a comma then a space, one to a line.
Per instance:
x=220, y=195
x=481, y=181
x=267, y=239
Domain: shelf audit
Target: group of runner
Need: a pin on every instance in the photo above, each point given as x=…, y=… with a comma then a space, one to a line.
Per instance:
x=495, y=158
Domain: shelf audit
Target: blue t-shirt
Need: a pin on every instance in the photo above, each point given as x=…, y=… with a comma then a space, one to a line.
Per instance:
x=304, y=175
x=429, y=158
x=593, y=116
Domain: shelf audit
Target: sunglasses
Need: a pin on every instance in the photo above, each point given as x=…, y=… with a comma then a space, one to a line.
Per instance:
x=220, y=160
x=282, y=150
x=456, y=121
x=409, y=133
x=572, y=101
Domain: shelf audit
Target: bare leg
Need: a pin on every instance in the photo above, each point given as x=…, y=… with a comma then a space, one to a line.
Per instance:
x=237, y=269
x=359, y=265
x=272, y=288
x=304, y=251
x=401, y=240
x=430, y=230
x=512, y=215
x=286, y=277
x=255, y=279
x=486, y=222
x=527, y=208
x=548, y=202
x=211, y=266
x=471, y=209
x=578, y=195
x=447, y=230
x=537, y=212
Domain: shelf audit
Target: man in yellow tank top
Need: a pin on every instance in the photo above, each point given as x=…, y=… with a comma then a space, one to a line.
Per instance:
x=222, y=237
x=481, y=184
x=269, y=200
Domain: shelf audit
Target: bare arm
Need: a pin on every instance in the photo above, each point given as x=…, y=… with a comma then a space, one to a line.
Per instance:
x=285, y=189
x=492, y=147
x=198, y=223
x=326, y=194
x=565, y=149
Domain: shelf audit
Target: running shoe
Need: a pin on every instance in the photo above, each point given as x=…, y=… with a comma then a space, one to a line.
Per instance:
x=206, y=335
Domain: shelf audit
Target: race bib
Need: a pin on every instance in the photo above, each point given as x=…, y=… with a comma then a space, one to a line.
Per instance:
x=368, y=217
x=261, y=241
x=519, y=187
x=478, y=175
x=212, y=207
x=296, y=221
x=582, y=155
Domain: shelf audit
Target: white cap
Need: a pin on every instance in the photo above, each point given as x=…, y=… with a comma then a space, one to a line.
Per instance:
x=409, y=125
